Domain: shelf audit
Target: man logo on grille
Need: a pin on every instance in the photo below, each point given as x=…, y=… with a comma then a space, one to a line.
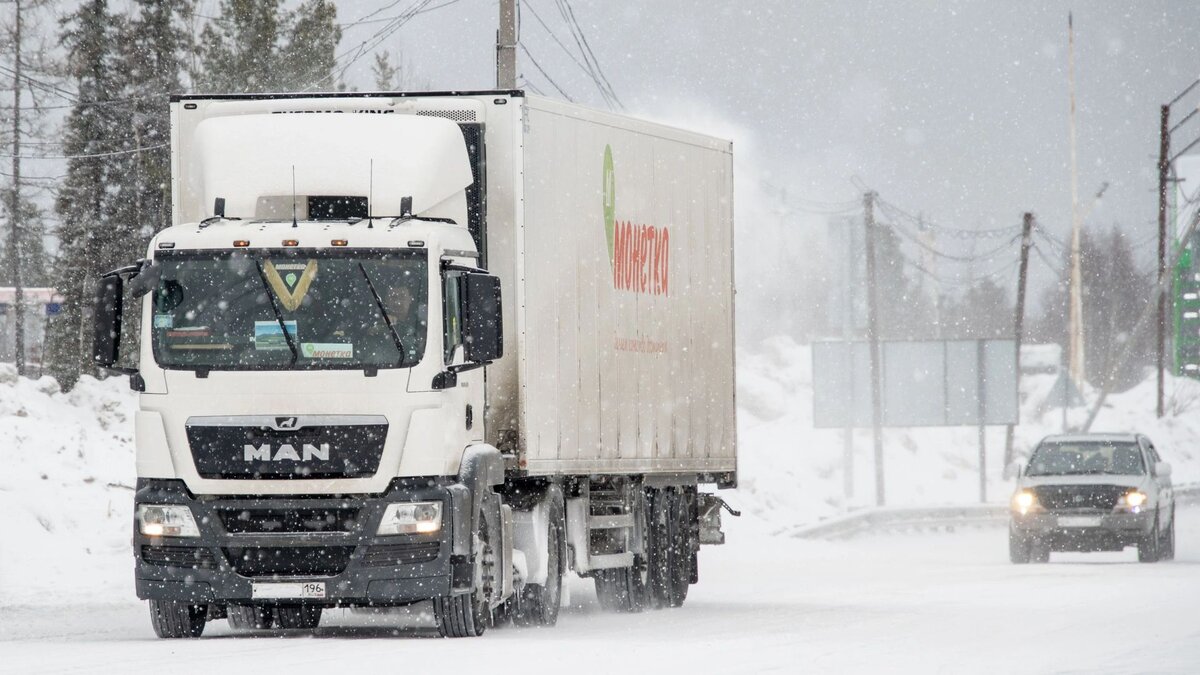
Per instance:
x=285, y=423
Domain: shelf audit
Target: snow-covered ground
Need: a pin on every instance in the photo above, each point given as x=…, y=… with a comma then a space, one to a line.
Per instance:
x=934, y=602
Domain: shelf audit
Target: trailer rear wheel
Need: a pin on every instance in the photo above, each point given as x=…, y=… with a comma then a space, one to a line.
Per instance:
x=298, y=616
x=682, y=553
x=627, y=589
x=177, y=619
x=539, y=603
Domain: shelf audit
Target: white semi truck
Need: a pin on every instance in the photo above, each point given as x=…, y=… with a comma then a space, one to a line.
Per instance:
x=443, y=348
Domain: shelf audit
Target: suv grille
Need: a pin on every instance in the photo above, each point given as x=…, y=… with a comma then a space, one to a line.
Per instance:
x=391, y=555
x=192, y=557
x=1102, y=497
x=269, y=521
x=295, y=561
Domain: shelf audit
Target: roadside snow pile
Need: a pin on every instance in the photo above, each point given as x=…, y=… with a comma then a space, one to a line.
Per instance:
x=66, y=490
x=791, y=473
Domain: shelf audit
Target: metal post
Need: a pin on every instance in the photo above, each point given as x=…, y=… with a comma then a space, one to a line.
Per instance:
x=981, y=398
x=873, y=337
x=1019, y=319
x=1164, y=152
x=506, y=46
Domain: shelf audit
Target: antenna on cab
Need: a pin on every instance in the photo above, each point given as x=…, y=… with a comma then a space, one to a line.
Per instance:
x=294, y=224
x=371, y=194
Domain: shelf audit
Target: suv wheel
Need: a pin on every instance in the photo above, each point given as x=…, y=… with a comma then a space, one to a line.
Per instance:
x=1148, y=547
x=1018, y=548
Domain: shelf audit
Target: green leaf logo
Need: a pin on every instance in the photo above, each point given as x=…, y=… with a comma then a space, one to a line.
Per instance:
x=610, y=200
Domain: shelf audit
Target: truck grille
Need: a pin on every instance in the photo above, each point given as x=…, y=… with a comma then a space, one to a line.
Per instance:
x=391, y=555
x=258, y=447
x=269, y=521
x=192, y=557
x=290, y=561
x=1101, y=497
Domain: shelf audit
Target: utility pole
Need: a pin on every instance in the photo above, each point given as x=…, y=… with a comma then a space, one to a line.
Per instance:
x=1164, y=153
x=1075, y=336
x=1019, y=319
x=873, y=338
x=14, y=208
x=506, y=46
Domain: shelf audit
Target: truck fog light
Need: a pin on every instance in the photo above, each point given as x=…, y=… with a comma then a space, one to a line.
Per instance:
x=411, y=518
x=166, y=520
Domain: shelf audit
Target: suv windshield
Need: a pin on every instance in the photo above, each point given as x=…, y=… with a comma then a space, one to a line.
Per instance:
x=230, y=311
x=1094, y=457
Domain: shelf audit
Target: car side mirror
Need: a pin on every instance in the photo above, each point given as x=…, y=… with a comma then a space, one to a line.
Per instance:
x=482, y=328
x=1162, y=470
x=1013, y=470
x=106, y=329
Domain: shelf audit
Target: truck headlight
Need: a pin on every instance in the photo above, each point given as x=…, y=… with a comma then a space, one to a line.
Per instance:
x=1024, y=501
x=1132, y=500
x=166, y=520
x=411, y=518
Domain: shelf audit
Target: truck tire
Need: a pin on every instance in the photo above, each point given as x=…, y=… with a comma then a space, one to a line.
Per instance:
x=250, y=617
x=539, y=603
x=627, y=589
x=468, y=614
x=305, y=617
x=658, y=546
x=681, y=548
x=177, y=619
x=1018, y=548
x=1148, y=548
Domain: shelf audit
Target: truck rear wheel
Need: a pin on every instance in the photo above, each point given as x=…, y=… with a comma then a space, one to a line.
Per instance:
x=468, y=614
x=682, y=554
x=627, y=589
x=539, y=603
x=298, y=616
x=250, y=617
x=177, y=619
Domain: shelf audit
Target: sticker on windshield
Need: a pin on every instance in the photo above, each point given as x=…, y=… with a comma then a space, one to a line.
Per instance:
x=164, y=320
x=290, y=281
x=268, y=334
x=327, y=350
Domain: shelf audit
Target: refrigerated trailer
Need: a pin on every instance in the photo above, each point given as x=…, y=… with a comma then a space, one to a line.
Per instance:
x=442, y=347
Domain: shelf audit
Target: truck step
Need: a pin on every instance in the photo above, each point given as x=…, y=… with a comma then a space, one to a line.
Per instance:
x=610, y=560
x=610, y=522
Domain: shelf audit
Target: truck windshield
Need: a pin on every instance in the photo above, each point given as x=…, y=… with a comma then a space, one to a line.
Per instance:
x=277, y=310
x=1073, y=459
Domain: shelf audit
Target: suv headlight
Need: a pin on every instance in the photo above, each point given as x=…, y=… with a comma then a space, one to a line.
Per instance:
x=1024, y=501
x=1134, y=499
x=166, y=520
x=411, y=518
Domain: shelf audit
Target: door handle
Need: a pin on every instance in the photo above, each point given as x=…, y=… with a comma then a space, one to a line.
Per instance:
x=470, y=416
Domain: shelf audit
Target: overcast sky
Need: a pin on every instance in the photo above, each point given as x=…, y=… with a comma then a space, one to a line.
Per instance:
x=957, y=110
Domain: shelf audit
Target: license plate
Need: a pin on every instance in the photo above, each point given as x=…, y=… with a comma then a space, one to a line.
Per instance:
x=298, y=589
x=1080, y=521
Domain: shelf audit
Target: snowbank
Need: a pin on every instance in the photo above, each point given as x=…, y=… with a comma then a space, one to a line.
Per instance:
x=66, y=490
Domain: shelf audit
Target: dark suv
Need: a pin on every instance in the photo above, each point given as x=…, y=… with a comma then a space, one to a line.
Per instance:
x=1092, y=492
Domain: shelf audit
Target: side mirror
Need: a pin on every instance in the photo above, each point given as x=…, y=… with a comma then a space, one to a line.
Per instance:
x=1013, y=470
x=146, y=279
x=106, y=336
x=482, y=328
x=1162, y=470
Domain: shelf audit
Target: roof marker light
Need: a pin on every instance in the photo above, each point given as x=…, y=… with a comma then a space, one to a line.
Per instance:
x=416, y=242
x=291, y=242
x=166, y=244
x=339, y=242
x=241, y=243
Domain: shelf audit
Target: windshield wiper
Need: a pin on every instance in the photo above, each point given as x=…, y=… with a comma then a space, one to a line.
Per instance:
x=386, y=319
x=278, y=314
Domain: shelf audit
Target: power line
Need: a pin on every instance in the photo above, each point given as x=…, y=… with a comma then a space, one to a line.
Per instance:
x=543, y=72
x=595, y=72
x=90, y=156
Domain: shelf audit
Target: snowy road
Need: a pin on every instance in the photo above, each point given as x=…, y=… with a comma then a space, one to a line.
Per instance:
x=930, y=603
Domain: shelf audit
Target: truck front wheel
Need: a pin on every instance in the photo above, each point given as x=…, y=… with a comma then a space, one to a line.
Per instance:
x=177, y=619
x=250, y=617
x=468, y=614
x=304, y=617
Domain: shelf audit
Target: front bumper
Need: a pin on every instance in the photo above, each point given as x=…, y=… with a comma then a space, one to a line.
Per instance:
x=1084, y=529
x=244, y=540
